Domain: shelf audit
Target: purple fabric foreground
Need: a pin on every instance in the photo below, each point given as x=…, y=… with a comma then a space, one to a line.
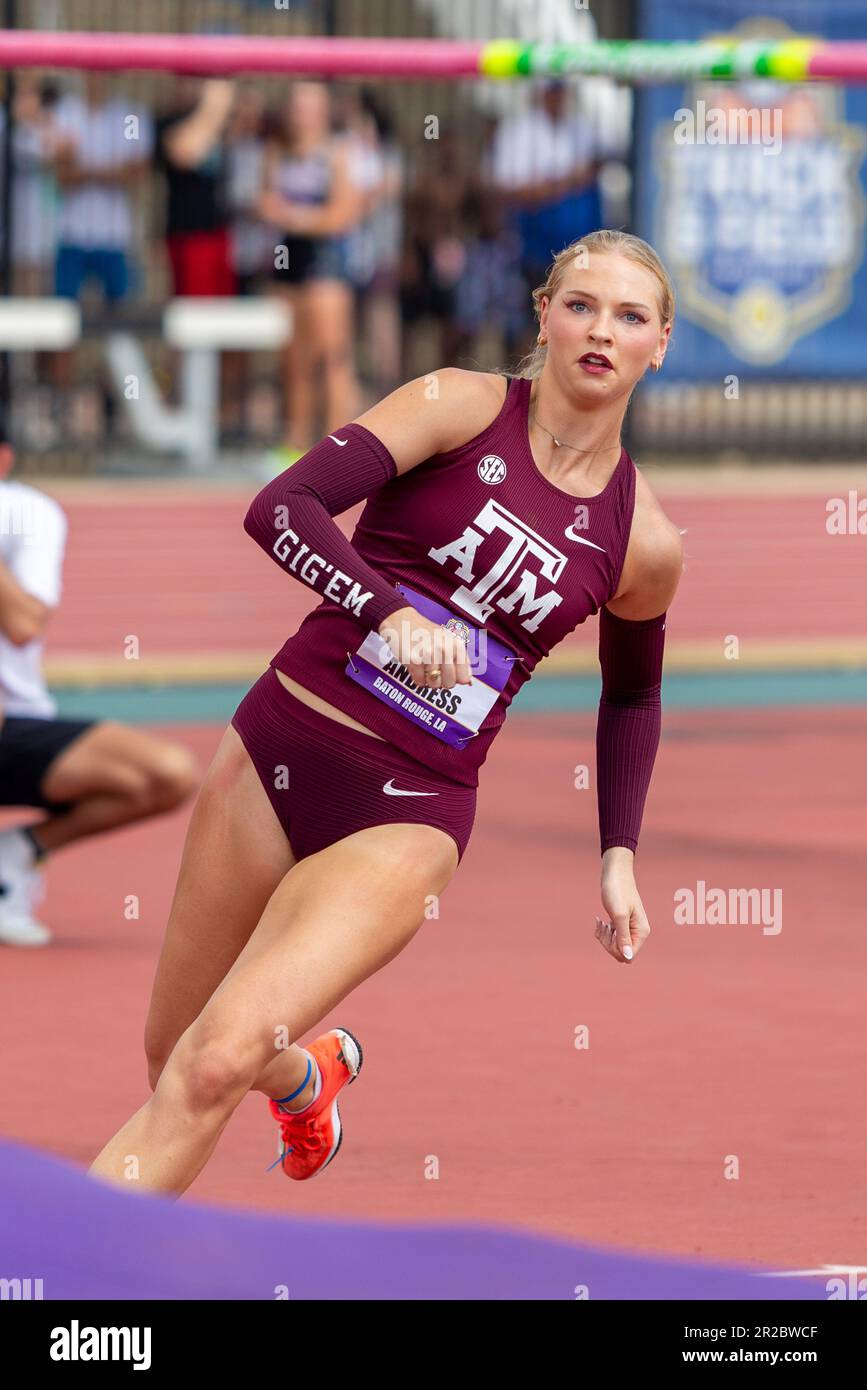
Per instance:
x=87, y=1240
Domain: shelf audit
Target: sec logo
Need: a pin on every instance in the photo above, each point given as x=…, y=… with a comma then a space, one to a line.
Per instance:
x=492, y=469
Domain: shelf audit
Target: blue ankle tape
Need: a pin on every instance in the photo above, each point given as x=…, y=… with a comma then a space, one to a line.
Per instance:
x=300, y=1088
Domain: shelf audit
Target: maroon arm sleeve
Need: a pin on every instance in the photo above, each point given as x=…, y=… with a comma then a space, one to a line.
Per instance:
x=629, y=722
x=291, y=518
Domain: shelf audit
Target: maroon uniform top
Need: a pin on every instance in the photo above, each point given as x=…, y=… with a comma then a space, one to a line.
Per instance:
x=481, y=532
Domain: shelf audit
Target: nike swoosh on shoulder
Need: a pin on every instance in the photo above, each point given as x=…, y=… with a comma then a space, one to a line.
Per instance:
x=392, y=790
x=342, y=442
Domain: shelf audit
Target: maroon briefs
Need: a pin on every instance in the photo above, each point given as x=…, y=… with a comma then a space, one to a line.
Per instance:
x=326, y=780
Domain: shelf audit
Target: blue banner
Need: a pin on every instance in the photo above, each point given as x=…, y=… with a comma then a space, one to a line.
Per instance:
x=754, y=195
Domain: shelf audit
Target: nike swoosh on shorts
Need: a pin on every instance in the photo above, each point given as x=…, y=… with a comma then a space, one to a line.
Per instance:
x=341, y=442
x=395, y=791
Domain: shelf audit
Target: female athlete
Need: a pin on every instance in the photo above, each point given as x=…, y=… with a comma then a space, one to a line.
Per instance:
x=502, y=512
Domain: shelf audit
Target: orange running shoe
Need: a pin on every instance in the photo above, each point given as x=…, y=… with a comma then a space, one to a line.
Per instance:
x=309, y=1140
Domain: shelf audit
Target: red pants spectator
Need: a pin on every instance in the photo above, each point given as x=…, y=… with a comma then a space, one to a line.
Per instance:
x=201, y=263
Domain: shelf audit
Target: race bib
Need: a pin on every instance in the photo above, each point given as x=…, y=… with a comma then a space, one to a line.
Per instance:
x=455, y=715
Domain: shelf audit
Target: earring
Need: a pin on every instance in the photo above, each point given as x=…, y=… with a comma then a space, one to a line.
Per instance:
x=541, y=341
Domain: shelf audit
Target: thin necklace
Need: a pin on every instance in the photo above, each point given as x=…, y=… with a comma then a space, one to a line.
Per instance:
x=562, y=443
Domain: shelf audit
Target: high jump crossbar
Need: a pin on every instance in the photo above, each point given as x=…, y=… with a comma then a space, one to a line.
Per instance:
x=633, y=61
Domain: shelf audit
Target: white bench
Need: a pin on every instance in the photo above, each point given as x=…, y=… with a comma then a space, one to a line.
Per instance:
x=199, y=328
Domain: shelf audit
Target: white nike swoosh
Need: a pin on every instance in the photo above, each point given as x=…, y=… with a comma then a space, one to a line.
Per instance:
x=341, y=442
x=570, y=535
x=395, y=791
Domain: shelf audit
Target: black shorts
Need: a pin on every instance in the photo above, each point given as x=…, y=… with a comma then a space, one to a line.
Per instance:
x=27, y=748
x=312, y=258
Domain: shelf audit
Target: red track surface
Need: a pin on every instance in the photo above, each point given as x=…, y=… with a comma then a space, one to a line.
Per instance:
x=181, y=574
x=719, y=1041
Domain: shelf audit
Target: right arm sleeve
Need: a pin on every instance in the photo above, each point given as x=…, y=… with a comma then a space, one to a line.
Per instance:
x=291, y=519
x=629, y=723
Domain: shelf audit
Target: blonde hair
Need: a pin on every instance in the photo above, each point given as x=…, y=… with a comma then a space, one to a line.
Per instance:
x=605, y=241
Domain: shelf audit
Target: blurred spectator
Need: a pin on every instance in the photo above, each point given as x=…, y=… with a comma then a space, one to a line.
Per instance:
x=251, y=249
x=434, y=255
x=546, y=166
x=374, y=246
x=309, y=193
x=104, y=145
x=192, y=153
x=491, y=292
x=251, y=240
x=34, y=191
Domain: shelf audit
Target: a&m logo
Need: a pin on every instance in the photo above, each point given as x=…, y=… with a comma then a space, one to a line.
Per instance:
x=510, y=583
x=492, y=469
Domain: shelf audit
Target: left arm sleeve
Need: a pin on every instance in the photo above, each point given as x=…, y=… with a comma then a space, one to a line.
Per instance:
x=629, y=722
x=291, y=519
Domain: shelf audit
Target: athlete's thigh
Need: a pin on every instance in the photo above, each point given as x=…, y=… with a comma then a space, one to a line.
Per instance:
x=337, y=917
x=235, y=855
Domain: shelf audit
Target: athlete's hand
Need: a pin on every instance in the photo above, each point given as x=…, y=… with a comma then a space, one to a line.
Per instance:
x=627, y=928
x=418, y=643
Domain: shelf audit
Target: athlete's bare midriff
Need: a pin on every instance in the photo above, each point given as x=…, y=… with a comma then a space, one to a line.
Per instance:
x=316, y=702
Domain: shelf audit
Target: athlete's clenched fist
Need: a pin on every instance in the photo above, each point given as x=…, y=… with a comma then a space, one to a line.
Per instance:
x=425, y=648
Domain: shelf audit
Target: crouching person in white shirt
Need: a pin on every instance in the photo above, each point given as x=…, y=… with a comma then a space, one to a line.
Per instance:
x=89, y=776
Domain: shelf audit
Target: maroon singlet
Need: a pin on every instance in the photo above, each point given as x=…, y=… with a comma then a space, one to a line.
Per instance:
x=482, y=532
